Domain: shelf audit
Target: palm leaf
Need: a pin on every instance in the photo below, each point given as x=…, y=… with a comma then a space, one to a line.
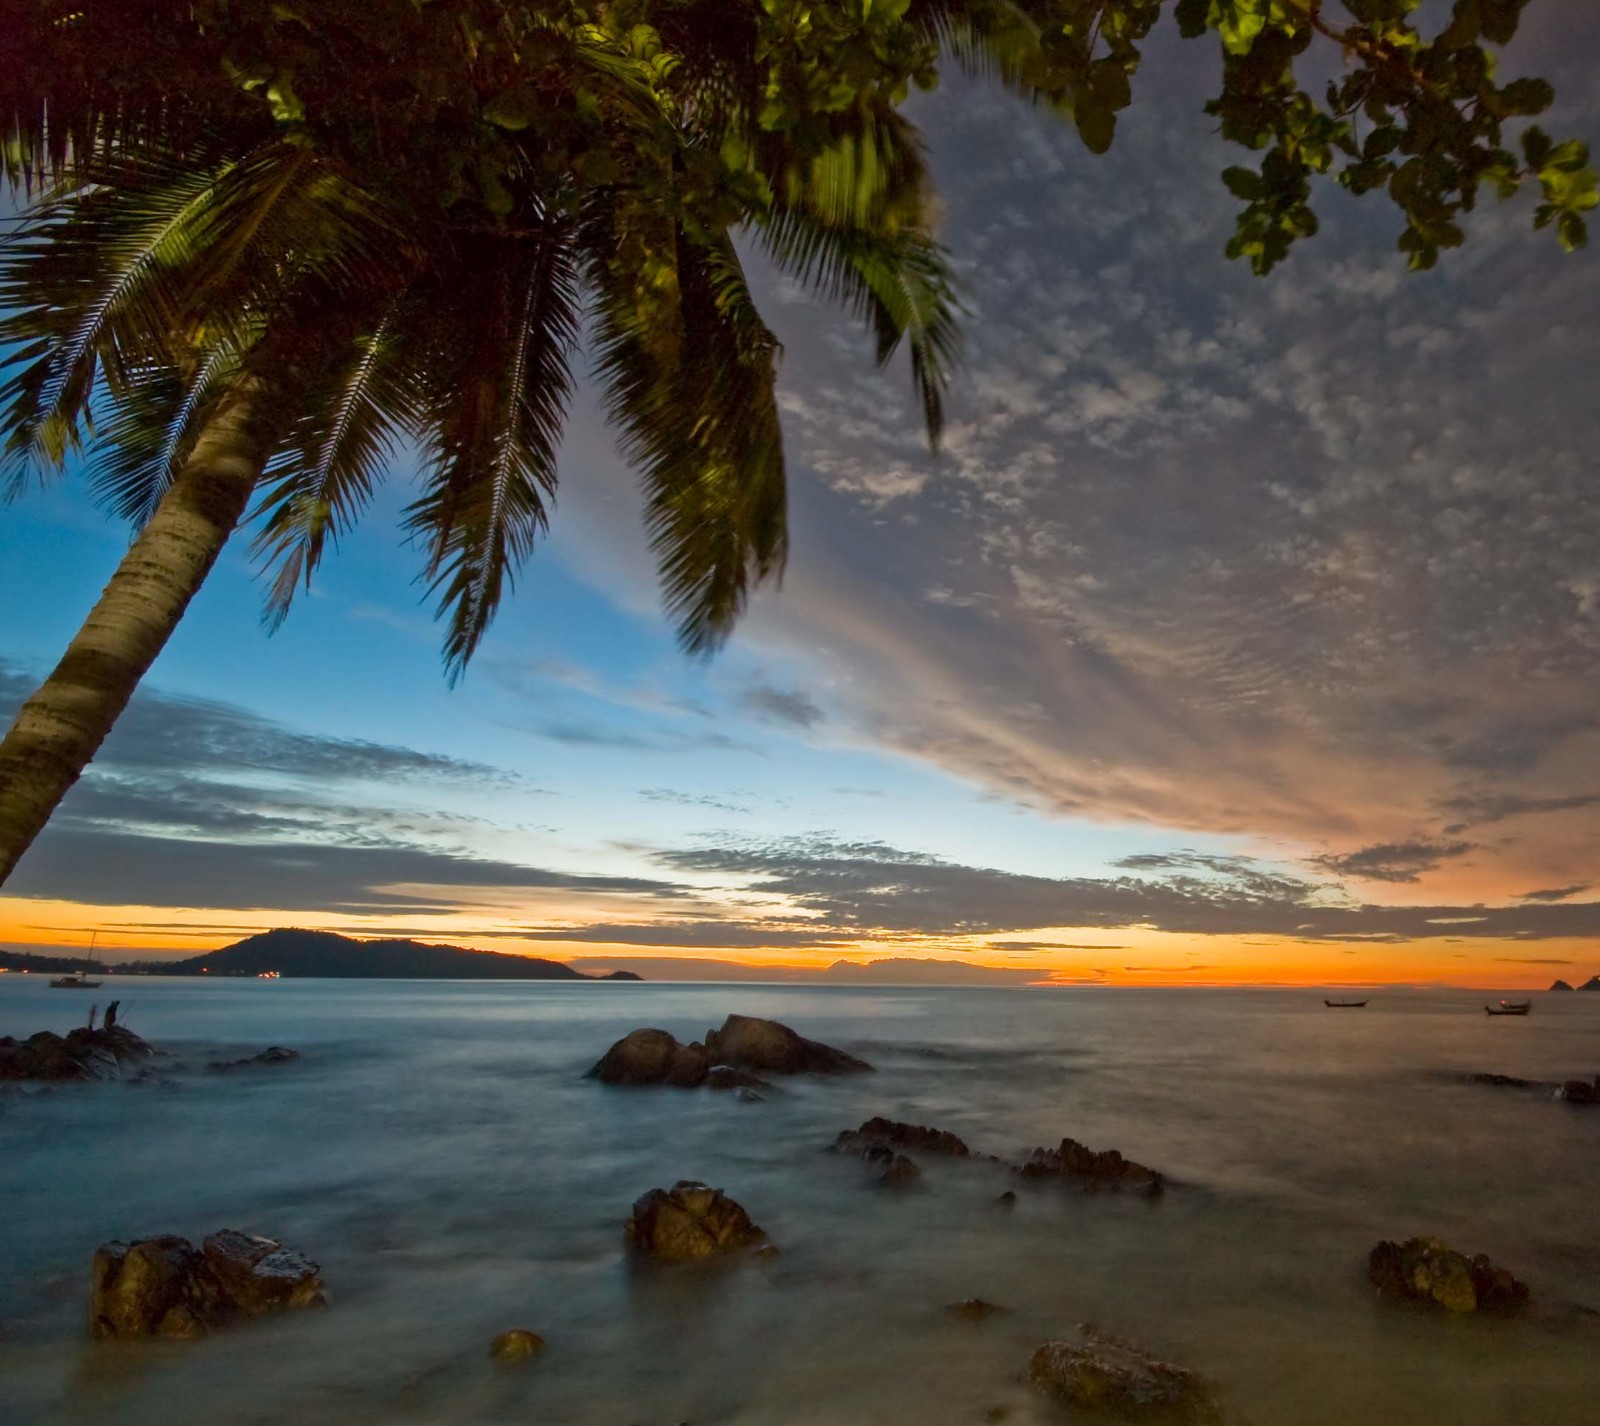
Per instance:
x=493, y=369
x=692, y=388
x=339, y=450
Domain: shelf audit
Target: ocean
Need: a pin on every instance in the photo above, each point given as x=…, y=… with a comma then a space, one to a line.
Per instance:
x=439, y=1151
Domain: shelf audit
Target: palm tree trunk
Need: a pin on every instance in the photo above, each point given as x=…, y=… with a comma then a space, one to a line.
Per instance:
x=60, y=728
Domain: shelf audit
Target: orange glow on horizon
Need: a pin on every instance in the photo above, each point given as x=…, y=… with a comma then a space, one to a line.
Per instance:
x=1059, y=955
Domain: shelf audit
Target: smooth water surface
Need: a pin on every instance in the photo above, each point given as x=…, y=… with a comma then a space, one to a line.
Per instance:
x=440, y=1153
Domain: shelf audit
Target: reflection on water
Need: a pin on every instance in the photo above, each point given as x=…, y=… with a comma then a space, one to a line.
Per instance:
x=439, y=1152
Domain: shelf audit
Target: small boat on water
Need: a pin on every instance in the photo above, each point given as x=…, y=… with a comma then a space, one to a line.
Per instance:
x=74, y=980
x=1345, y=1004
x=1508, y=1007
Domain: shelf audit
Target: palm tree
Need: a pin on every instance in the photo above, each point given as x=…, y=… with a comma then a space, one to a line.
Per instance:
x=253, y=314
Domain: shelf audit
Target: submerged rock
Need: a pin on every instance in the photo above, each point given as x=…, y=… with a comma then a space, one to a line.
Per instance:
x=1580, y=1091
x=690, y=1220
x=1008, y=1199
x=731, y=1058
x=1506, y=1081
x=1078, y=1164
x=1429, y=1270
x=974, y=1310
x=80, y=1054
x=516, y=1345
x=166, y=1287
x=1099, y=1373
x=732, y=1077
x=272, y=1055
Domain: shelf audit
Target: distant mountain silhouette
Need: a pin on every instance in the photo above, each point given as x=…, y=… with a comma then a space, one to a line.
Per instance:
x=1593, y=983
x=54, y=965
x=1561, y=985
x=294, y=954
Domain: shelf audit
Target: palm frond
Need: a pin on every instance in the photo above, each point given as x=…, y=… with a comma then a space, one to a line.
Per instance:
x=898, y=282
x=494, y=373
x=338, y=451
x=88, y=285
x=152, y=429
x=698, y=413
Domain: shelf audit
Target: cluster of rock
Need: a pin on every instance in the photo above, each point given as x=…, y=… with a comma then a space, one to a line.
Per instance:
x=885, y=1142
x=79, y=1054
x=1077, y=1164
x=1098, y=1373
x=166, y=1287
x=882, y=1143
x=692, y=1220
x=734, y=1057
x=272, y=1055
x=1429, y=1271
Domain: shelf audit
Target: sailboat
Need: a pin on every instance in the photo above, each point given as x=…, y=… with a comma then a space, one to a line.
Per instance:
x=77, y=979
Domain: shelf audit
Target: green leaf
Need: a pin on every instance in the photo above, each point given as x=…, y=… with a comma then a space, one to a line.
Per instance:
x=1528, y=96
x=1244, y=183
x=1191, y=16
x=1097, y=125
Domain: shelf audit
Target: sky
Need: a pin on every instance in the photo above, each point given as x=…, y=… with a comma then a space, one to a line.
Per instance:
x=1245, y=630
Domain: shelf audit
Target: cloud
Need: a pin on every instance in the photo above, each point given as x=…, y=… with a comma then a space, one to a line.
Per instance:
x=1558, y=893
x=777, y=705
x=1394, y=861
x=107, y=868
x=193, y=802
x=870, y=888
x=707, y=934
x=691, y=799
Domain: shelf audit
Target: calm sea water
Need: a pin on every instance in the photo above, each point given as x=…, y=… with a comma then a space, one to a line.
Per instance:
x=440, y=1153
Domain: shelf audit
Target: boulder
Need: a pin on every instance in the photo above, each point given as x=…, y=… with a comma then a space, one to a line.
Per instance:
x=517, y=1345
x=81, y=1054
x=272, y=1055
x=770, y=1048
x=1008, y=1199
x=897, y=1135
x=1098, y=1373
x=166, y=1287
x=1080, y=1165
x=653, y=1057
x=1580, y=1091
x=688, y=1221
x=1430, y=1271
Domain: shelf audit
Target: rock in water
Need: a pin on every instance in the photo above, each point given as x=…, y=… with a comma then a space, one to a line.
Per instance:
x=1099, y=1373
x=1580, y=1091
x=260, y=1275
x=975, y=1310
x=272, y=1055
x=732, y=1077
x=770, y=1048
x=1081, y=1165
x=653, y=1057
x=900, y=1136
x=80, y=1054
x=516, y=1345
x=731, y=1057
x=689, y=1221
x=1428, y=1270
x=166, y=1287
